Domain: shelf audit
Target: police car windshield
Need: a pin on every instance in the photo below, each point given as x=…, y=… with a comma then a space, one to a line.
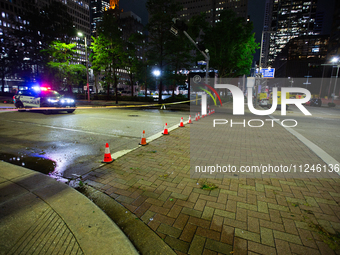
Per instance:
x=50, y=93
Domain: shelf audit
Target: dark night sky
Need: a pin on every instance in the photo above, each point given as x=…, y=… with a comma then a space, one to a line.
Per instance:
x=255, y=11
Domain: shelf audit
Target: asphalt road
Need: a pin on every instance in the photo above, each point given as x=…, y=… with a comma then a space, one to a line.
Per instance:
x=76, y=142
x=322, y=127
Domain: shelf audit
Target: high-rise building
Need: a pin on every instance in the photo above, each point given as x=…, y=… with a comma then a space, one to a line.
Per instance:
x=212, y=8
x=78, y=10
x=334, y=44
x=289, y=19
x=266, y=33
x=13, y=11
x=301, y=56
x=96, y=15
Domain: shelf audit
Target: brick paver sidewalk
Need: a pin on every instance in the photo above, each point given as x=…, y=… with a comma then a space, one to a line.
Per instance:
x=240, y=216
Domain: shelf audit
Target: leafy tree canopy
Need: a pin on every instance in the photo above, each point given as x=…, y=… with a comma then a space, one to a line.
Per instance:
x=62, y=57
x=231, y=45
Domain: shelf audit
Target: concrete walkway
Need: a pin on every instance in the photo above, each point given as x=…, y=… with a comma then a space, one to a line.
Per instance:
x=39, y=215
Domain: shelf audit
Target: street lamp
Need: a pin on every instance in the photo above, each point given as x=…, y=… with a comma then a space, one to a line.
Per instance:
x=87, y=67
x=337, y=61
x=156, y=73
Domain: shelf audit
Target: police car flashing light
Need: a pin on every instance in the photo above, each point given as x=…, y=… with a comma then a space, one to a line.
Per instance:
x=43, y=97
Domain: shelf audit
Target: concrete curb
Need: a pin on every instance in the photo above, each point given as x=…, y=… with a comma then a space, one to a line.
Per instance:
x=91, y=228
x=145, y=239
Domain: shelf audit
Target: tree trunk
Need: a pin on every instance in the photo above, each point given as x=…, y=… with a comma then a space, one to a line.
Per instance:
x=108, y=85
x=3, y=82
x=96, y=77
x=131, y=82
x=116, y=81
x=145, y=84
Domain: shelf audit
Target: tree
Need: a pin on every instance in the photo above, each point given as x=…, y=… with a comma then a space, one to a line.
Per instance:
x=161, y=14
x=108, y=50
x=180, y=58
x=62, y=56
x=130, y=60
x=231, y=45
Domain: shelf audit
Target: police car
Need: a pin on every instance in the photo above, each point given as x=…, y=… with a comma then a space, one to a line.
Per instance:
x=43, y=97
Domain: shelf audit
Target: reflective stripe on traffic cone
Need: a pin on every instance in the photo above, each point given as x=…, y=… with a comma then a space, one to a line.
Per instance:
x=181, y=123
x=107, y=155
x=143, y=140
x=165, y=132
x=189, y=121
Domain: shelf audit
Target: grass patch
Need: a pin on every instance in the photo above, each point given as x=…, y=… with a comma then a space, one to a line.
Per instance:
x=208, y=186
x=333, y=240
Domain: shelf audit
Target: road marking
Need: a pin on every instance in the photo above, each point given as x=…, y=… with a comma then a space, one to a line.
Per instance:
x=70, y=129
x=328, y=159
x=132, y=120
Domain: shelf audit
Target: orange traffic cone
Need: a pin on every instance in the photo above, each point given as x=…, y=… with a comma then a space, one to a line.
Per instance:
x=196, y=118
x=143, y=140
x=165, y=132
x=189, y=121
x=107, y=155
x=181, y=123
x=202, y=116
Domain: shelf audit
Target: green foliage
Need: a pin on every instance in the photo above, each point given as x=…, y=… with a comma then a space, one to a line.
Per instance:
x=107, y=50
x=61, y=56
x=231, y=45
x=331, y=104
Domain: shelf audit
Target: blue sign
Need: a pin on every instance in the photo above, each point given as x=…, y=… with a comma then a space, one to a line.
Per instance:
x=267, y=72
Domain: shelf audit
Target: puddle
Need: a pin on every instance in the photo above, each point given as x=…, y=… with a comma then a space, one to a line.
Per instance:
x=36, y=163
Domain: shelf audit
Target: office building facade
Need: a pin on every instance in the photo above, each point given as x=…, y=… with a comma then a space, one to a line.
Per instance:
x=12, y=19
x=212, y=8
x=286, y=19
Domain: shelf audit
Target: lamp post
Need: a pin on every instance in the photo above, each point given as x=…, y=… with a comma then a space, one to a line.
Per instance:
x=87, y=68
x=337, y=61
